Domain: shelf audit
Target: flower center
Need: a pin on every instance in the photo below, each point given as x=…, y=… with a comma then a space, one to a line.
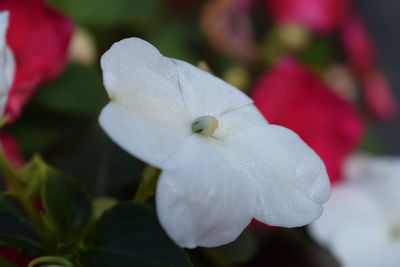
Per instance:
x=205, y=125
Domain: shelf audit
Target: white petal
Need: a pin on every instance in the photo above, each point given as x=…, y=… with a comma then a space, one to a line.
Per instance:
x=205, y=94
x=365, y=166
x=238, y=120
x=201, y=200
x=378, y=176
x=366, y=245
x=289, y=179
x=7, y=64
x=355, y=229
x=146, y=115
x=149, y=141
x=348, y=206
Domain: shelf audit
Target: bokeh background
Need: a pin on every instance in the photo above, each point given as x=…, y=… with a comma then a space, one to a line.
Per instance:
x=381, y=19
x=60, y=121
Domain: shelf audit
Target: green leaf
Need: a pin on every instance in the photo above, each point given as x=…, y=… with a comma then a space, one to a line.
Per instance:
x=172, y=41
x=320, y=54
x=12, y=207
x=15, y=230
x=33, y=135
x=239, y=251
x=79, y=91
x=104, y=13
x=68, y=207
x=130, y=235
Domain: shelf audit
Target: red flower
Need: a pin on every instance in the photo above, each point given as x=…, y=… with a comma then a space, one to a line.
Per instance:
x=294, y=97
x=12, y=149
x=322, y=16
x=361, y=52
x=39, y=37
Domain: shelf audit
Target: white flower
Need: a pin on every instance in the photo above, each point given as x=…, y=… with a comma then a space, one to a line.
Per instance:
x=222, y=163
x=361, y=221
x=7, y=65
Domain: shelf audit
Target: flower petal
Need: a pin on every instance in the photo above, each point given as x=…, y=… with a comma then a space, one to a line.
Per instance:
x=39, y=37
x=238, y=120
x=291, y=95
x=289, y=179
x=201, y=200
x=7, y=64
x=146, y=112
x=366, y=244
x=149, y=141
x=377, y=176
x=205, y=94
x=356, y=229
x=348, y=207
x=133, y=68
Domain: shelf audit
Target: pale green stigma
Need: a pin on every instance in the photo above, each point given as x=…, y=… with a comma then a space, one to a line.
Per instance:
x=205, y=125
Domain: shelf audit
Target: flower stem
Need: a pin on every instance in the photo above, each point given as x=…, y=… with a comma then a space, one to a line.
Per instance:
x=147, y=186
x=51, y=259
x=18, y=188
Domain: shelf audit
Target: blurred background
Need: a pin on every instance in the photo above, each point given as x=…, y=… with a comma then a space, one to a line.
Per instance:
x=381, y=19
x=328, y=69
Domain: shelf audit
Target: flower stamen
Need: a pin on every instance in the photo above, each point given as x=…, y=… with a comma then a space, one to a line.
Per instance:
x=205, y=125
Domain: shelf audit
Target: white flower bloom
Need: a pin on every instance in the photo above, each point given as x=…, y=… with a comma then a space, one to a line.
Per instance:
x=361, y=221
x=222, y=163
x=7, y=65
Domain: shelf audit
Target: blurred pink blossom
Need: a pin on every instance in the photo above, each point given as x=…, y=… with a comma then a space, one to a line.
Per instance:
x=321, y=16
x=227, y=25
x=361, y=52
x=39, y=37
x=378, y=96
x=291, y=95
x=358, y=44
x=12, y=149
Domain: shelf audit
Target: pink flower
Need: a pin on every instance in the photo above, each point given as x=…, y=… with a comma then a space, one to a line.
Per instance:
x=227, y=25
x=358, y=44
x=361, y=53
x=12, y=149
x=322, y=16
x=292, y=96
x=380, y=100
x=39, y=37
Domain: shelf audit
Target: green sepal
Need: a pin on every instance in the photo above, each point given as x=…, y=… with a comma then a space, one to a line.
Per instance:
x=33, y=175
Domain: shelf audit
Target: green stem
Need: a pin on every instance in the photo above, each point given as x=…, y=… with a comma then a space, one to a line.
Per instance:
x=148, y=183
x=51, y=259
x=19, y=189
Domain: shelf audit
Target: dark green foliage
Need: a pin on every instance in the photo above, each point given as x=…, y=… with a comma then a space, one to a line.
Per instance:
x=130, y=235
